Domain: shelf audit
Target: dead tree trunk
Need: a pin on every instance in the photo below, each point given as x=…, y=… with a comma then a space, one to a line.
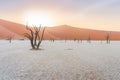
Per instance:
x=34, y=36
x=40, y=38
x=108, y=38
x=10, y=38
x=89, y=39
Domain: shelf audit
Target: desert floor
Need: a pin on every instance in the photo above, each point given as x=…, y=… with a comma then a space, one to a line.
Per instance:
x=60, y=60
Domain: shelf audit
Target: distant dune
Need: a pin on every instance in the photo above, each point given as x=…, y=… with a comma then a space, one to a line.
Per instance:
x=63, y=32
x=69, y=32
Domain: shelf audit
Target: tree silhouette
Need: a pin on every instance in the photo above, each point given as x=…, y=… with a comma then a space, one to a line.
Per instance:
x=89, y=39
x=108, y=38
x=35, y=36
x=10, y=38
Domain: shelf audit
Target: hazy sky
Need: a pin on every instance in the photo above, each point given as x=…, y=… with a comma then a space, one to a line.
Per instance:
x=95, y=14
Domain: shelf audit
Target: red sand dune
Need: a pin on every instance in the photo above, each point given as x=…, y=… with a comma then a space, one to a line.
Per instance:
x=8, y=29
x=62, y=32
x=68, y=32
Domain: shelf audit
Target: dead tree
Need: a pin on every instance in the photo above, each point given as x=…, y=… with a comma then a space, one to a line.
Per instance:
x=89, y=39
x=81, y=39
x=74, y=39
x=108, y=38
x=35, y=36
x=10, y=38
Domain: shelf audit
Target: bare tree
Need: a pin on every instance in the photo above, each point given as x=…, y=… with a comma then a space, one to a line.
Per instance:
x=35, y=36
x=10, y=38
x=89, y=39
x=74, y=39
x=108, y=38
x=81, y=39
x=53, y=40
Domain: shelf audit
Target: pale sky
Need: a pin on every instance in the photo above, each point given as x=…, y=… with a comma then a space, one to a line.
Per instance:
x=93, y=14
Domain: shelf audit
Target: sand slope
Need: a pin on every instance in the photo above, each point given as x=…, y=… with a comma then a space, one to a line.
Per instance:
x=8, y=28
x=68, y=32
x=57, y=33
